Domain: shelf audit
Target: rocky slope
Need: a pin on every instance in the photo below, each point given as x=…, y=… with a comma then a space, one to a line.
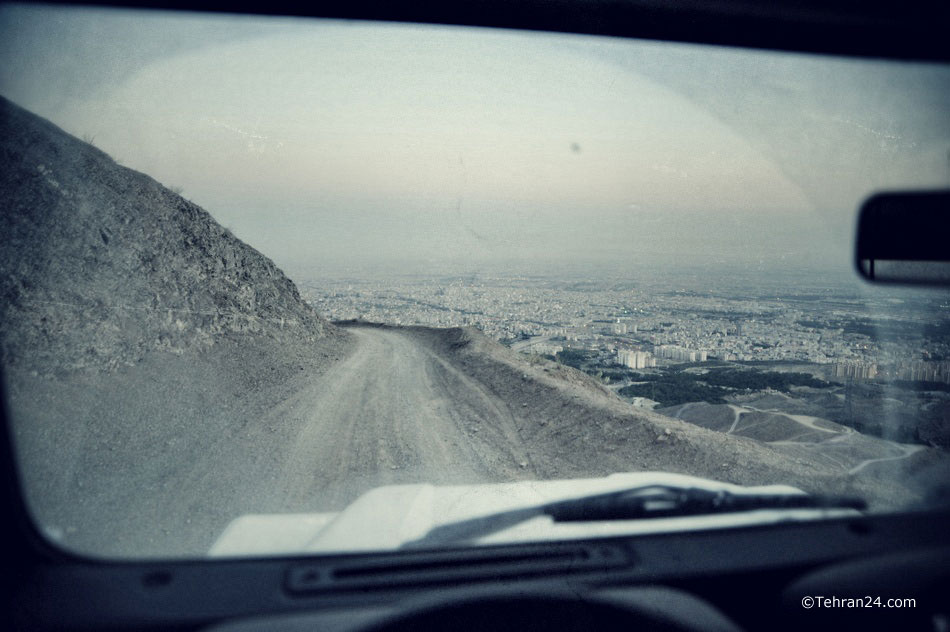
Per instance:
x=100, y=264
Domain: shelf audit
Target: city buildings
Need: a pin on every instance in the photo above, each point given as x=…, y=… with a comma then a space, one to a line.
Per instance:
x=680, y=354
x=635, y=359
x=644, y=326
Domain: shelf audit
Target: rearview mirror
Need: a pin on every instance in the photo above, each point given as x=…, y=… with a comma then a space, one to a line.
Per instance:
x=904, y=237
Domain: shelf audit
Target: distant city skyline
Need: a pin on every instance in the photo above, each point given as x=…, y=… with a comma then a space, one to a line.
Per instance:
x=671, y=321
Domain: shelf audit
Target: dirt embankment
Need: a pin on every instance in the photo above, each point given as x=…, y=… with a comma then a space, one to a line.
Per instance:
x=155, y=458
x=573, y=426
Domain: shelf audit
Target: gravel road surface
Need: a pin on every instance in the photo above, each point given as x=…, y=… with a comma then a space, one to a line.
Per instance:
x=156, y=460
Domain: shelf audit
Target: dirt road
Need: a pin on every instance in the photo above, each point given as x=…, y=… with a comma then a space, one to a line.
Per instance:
x=167, y=478
x=394, y=412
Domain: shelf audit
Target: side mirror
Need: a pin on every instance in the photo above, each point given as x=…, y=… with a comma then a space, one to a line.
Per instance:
x=904, y=237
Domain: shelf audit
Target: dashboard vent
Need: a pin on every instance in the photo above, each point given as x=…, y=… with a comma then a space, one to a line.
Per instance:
x=406, y=569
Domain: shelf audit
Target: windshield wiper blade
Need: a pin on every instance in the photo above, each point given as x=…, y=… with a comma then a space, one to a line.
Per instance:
x=637, y=503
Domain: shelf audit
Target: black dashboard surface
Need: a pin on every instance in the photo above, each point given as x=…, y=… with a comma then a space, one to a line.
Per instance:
x=720, y=579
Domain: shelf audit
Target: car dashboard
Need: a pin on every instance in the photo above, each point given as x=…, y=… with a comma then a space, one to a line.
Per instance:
x=781, y=577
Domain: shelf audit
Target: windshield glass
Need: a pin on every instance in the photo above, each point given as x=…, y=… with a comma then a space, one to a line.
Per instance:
x=322, y=285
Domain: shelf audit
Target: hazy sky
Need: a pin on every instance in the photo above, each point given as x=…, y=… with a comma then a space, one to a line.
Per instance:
x=330, y=141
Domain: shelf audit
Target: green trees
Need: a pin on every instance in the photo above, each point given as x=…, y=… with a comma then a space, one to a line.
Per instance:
x=574, y=357
x=676, y=388
x=760, y=380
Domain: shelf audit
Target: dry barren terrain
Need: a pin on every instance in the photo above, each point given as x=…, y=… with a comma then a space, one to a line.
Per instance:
x=156, y=459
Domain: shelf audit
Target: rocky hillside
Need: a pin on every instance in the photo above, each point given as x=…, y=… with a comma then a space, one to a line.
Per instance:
x=100, y=264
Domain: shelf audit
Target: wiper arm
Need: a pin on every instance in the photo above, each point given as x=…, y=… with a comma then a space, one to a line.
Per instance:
x=637, y=503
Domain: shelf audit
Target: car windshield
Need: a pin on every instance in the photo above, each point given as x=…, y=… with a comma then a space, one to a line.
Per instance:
x=260, y=274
